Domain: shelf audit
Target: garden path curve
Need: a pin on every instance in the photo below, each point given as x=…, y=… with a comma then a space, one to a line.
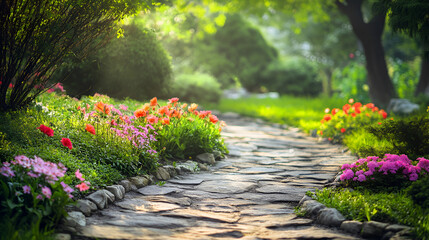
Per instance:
x=249, y=195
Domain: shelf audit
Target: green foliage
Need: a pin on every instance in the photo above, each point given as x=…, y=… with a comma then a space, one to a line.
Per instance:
x=134, y=66
x=237, y=51
x=363, y=143
x=405, y=77
x=41, y=34
x=300, y=112
x=197, y=87
x=383, y=207
x=351, y=82
x=294, y=76
x=407, y=136
x=419, y=192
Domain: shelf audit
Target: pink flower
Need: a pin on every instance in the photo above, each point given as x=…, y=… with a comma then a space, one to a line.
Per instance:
x=47, y=192
x=67, y=143
x=346, y=166
x=347, y=174
x=26, y=189
x=173, y=100
x=66, y=188
x=82, y=186
x=361, y=178
x=79, y=175
x=39, y=197
x=423, y=164
x=7, y=171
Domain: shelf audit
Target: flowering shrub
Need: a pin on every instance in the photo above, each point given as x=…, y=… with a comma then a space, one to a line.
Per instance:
x=338, y=122
x=392, y=170
x=34, y=191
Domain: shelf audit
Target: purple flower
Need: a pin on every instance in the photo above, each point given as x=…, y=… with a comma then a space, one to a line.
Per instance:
x=361, y=178
x=39, y=197
x=46, y=191
x=423, y=164
x=26, y=189
x=7, y=171
x=347, y=174
x=345, y=166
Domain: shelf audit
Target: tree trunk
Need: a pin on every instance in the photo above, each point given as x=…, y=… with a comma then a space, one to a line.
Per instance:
x=381, y=88
x=423, y=85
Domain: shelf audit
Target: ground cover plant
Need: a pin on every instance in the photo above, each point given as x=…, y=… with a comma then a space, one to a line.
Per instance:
x=98, y=139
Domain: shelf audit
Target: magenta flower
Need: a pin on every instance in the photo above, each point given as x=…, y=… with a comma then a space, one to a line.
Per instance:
x=26, y=189
x=347, y=174
x=46, y=191
x=361, y=178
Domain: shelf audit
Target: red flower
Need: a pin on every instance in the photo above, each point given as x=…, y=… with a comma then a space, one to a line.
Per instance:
x=351, y=55
x=165, y=121
x=370, y=105
x=89, y=128
x=152, y=119
x=327, y=117
x=346, y=108
x=343, y=130
x=213, y=119
x=140, y=113
x=46, y=130
x=321, y=132
x=383, y=113
x=162, y=110
x=335, y=111
x=353, y=114
x=154, y=101
x=67, y=143
x=173, y=100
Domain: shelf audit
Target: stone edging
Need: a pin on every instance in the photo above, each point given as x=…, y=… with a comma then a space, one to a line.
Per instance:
x=331, y=217
x=100, y=199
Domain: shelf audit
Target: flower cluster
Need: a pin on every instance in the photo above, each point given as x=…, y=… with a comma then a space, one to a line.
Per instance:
x=66, y=142
x=338, y=122
x=39, y=178
x=374, y=168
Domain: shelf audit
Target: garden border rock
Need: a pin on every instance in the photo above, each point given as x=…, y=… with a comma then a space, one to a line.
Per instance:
x=102, y=198
x=331, y=217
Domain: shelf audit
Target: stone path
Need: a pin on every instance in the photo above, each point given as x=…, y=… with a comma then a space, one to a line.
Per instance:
x=249, y=195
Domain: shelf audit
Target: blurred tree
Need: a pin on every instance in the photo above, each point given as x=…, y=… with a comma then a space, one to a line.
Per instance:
x=412, y=18
x=135, y=66
x=36, y=35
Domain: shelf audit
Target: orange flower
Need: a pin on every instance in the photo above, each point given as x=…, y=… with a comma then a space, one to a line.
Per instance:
x=193, y=107
x=370, y=105
x=343, y=130
x=353, y=114
x=213, y=119
x=154, y=101
x=346, y=108
x=89, y=128
x=165, y=121
x=321, y=133
x=335, y=111
x=140, y=113
x=351, y=100
x=100, y=106
x=327, y=117
x=327, y=110
x=184, y=105
x=146, y=107
x=151, y=119
x=162, y=110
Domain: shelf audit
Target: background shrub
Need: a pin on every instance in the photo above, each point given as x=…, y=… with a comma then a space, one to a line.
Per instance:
x=295, y=76
x=134, y=66
x=198, y=87
x=419, y=192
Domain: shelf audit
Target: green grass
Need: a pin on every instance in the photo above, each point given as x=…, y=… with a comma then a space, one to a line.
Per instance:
x=363, y=205
x=301, y=112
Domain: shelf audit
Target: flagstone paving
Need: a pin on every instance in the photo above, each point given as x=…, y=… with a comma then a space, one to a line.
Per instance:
x=249, y=195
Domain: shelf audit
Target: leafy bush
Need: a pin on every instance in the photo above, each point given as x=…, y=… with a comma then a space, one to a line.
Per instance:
x=198, y=87
x=384, y=207
x=134, y=66
x=351, y=82
x=33, y=194
x=419, y=192
x=295, y=76
x=407, y=136
x=340, y=122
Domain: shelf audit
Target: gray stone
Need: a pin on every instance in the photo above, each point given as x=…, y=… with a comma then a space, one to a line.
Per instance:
x=268, y=197
x=86, y=206
x=223, y=186
x=139, y=219
x=139, y=181
x=187, y=167
x=62, y=236
x=281, y=188
x=373, y=229
x=257, y=170
x=402, y=106
x=402, y=235
x=397, y=228
x=117, y=190
x=217, y=155
x=102, y=198
x=312, y=207
x=157, y=190
x=127, y=185
x=194, y=213
x=171, y=170
x=207, y=158
x=330, y=217
x=187, y=181
x=305, y=198
x=75, y=219
x=354, y=227
x=203, y=167
x=140, y=204
x=162, y=174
